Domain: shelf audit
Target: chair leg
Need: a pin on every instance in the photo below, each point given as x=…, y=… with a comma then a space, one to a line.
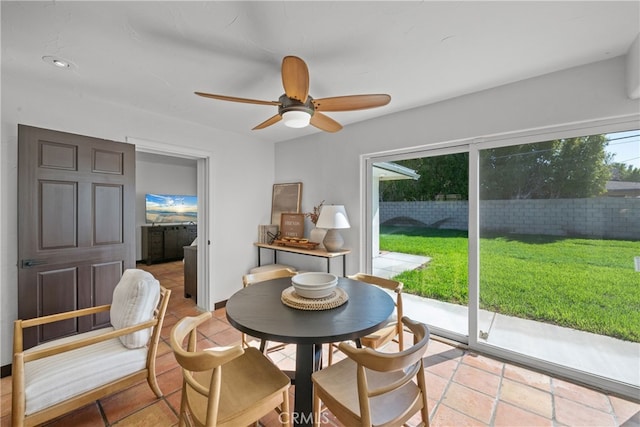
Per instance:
x=285, y=415
x=317, y=408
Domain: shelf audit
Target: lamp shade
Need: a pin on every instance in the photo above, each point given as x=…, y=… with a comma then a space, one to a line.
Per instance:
x=333, y=216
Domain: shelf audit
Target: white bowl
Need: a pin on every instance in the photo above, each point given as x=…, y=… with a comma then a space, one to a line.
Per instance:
x=314, y=285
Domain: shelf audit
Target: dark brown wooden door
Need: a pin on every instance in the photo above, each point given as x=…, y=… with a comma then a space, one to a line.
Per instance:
x=76, y=225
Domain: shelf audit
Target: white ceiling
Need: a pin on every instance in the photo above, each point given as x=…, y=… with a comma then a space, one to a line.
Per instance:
x=154, y=54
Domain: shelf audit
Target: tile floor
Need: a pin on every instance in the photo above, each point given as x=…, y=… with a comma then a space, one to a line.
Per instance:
x=465, y=389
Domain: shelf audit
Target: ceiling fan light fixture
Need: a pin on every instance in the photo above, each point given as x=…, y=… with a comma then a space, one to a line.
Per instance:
x=296, y=119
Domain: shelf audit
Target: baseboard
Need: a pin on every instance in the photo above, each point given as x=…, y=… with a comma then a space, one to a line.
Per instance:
x=221, y=304
x=5, y=371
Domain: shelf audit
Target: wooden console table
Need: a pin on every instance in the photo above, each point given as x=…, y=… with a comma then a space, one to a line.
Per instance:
x=321, y=253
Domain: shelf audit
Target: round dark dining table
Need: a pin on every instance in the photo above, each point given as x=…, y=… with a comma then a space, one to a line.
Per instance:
x=258, y=311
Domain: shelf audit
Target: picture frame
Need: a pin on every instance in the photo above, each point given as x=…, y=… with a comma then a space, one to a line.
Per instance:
x=291, y=225
x=286, y=198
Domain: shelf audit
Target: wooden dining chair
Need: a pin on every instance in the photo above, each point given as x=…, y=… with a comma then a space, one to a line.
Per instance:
x=253, y=278
x=393, y=330
x=226, y=386
x=374, y=388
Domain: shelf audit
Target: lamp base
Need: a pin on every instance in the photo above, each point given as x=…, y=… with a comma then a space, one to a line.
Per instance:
x=333, y=241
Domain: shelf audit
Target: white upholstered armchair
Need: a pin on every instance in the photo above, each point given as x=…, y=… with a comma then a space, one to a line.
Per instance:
x=58, y=376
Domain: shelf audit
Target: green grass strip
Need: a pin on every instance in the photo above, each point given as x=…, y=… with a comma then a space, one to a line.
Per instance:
x=584, y=284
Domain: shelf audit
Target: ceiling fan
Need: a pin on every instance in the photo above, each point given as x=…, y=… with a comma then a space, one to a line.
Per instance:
x=298, y=109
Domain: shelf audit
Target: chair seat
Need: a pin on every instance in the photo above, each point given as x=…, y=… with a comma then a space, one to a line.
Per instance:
x=338, y=389
x=56, y=378
x=246, y=380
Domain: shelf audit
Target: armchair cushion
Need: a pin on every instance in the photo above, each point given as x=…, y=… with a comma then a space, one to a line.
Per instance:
x=56, y=378
x=134, y=300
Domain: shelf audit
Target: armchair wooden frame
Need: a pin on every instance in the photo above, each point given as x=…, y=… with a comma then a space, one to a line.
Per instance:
x=18, y=407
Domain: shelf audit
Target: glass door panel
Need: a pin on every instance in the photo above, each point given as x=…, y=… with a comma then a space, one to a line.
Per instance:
x=420, y=232
x=559, y=225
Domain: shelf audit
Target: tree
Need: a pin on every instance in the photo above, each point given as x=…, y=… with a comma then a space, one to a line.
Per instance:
x=624, y=172
x=438, y=175
x=562, y=168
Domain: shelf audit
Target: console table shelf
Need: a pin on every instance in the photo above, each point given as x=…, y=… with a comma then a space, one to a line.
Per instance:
x=320, y=253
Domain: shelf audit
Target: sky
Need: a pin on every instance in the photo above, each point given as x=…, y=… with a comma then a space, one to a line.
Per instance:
x=625, y=146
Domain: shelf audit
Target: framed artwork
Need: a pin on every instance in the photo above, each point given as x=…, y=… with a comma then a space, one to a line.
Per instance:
x=286, y=199
x=291, y=225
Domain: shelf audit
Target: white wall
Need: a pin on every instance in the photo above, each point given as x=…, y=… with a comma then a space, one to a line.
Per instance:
x=161, y=175
x=239, y=199
x=591, y=92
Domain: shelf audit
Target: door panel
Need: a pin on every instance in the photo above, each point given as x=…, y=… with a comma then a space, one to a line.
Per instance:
x=76, y=224
x=56, y=293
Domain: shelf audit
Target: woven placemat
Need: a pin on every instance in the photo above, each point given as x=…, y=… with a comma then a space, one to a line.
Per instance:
x=335, y=299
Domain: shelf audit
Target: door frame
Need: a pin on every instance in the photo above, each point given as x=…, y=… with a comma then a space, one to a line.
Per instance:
x=203, y=192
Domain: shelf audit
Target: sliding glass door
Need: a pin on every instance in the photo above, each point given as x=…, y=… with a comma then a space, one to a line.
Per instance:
x=559, y=229
x=535, y=258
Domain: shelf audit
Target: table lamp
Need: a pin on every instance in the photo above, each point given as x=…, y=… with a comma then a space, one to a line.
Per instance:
x=333, y=217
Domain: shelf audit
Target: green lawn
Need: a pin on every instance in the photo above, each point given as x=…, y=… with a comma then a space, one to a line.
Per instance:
x=584, y=284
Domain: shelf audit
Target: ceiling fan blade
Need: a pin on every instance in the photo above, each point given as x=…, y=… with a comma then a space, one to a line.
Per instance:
x=268, y=122
x=234, y=99
x=295, y=78
x=351, y=102
x=325, y=123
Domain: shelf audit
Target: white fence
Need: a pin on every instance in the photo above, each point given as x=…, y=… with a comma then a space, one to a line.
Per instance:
x=598, y=217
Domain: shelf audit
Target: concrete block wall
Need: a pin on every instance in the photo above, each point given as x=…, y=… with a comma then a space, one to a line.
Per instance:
x=601, y=217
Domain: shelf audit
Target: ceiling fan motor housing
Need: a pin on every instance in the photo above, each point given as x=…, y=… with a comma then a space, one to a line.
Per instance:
x=290, y=104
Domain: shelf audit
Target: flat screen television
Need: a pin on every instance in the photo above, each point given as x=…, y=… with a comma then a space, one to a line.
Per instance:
x=170, y=208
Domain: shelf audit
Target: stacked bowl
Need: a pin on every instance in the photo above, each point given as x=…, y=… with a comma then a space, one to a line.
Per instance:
x=314, y=285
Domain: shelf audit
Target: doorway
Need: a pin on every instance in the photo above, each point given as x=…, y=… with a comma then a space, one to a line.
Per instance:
x=187, y=157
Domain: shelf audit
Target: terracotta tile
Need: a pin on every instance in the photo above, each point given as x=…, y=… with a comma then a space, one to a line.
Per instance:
x=484, y=363
x=174, y=400
x=626, y=411
x=569, y=412
x=441, y=366
x=157, y=415
x=229, y=336
x=477, y=379
x=448, y=417
x=526, y=397
x=163, y=348
x=436, y=385
x=534, y=379
x=165, y=362
x=212, y=327
x=170, y=381
x=580, y=394
x=119, y=405
x=508, y=415
x=438, y=347
x=87, y=416
x=474, y=404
